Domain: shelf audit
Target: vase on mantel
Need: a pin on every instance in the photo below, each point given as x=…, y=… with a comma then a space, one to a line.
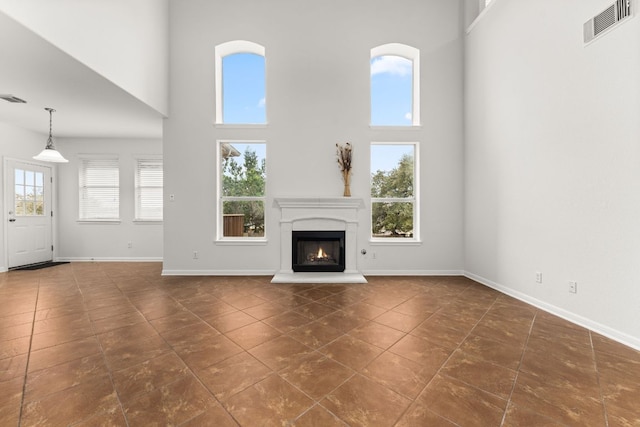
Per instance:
x=346, y=175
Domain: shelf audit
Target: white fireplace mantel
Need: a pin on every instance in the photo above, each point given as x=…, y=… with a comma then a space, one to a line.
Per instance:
x=319, y=213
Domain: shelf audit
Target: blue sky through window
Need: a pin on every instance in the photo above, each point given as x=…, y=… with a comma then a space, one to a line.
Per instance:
x=386, y=157
x=243, y=88
x=391, y=91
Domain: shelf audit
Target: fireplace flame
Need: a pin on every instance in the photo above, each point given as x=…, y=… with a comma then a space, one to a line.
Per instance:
x=320, y=254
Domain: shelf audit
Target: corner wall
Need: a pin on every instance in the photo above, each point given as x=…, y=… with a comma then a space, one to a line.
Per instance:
x=553, y=161
x=318, y=66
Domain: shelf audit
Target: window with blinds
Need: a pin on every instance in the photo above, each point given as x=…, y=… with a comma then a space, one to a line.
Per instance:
x=149, y=182
x=99, y=179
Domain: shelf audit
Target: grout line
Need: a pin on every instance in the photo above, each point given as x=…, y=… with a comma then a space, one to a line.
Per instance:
x=602, y=399
x=26, y=369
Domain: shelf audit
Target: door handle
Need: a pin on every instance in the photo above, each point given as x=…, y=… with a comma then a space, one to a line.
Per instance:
x=12, y=220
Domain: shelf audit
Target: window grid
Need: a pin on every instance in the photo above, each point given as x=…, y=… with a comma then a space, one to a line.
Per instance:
x=29, y=193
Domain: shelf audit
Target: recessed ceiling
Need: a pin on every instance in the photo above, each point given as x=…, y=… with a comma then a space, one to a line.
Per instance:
x=86, y=104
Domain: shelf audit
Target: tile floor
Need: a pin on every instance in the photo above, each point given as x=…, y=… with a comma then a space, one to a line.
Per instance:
x=93, y=344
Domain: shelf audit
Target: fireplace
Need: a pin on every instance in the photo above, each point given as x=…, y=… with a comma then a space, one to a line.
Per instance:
x=318, y=251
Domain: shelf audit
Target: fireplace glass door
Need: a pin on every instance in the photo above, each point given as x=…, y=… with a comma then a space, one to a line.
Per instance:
x=318, y=251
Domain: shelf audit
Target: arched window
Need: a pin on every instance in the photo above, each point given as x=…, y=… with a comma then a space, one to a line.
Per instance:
x=240, y=83
x=395, y=85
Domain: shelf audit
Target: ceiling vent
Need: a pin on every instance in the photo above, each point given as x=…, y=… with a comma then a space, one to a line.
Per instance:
x=607, y=19
x=14, y=99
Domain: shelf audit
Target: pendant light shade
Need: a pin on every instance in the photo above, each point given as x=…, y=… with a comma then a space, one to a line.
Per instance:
x=50, y=154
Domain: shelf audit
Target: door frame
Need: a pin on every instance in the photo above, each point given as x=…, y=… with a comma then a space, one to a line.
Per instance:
x=5, y=204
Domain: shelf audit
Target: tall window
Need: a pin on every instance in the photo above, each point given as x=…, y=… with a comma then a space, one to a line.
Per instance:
x=99, y=179
x=29, y=191
x=148, y=182
x=240, y=83
x=393, y=191
x=395, y=85
x=242, y=185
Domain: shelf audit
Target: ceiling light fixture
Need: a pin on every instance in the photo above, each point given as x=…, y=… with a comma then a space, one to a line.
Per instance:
x=50, y=154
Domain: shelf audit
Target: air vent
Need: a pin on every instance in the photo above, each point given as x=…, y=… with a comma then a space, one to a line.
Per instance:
x=605, y=20
x=14, y=99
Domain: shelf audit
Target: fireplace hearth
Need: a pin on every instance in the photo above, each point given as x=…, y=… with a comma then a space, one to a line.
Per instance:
x=318, y=251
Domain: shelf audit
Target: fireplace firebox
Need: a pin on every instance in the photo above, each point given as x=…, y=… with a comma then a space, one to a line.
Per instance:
x=318, y=251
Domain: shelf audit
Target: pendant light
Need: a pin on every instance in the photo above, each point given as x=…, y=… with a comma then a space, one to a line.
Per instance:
x=50, y=154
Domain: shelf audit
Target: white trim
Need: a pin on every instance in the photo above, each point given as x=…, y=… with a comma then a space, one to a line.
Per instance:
x=109, y=259
x=413, y=272
x=241, y=241
x=394, y=241
x=99, y=221
x=608, y=332
x=318, y=278
x=413, y=54
x=483, y=11
x=218, y=272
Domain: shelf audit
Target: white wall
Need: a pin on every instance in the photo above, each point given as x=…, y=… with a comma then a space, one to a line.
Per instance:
x=18, y=144
x=553, y=161
x=317, y=56
x=82, y=241
x=126, y=41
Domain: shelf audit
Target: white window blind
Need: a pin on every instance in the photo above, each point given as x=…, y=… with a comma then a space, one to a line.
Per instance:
x=149, y=182
x=99, y=189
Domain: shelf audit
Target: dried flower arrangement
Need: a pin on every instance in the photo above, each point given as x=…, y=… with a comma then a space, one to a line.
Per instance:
x=343, y=154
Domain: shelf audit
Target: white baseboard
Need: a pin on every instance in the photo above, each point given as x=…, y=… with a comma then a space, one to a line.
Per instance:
x=413, y=272
x=601, y=329
x=108, y=259
x=218, y=272
x=318, y=278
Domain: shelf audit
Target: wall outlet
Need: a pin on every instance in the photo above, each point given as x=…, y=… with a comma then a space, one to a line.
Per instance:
x=573, y=287
x=195, y=254
x=129, y=245
x=538, y=277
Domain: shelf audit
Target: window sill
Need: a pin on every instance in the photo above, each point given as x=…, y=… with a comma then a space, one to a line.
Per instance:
x=395, y=241
x=396, y=128
x=241, y=125
x=147, y=221
x=242, y=241
x=99, y=221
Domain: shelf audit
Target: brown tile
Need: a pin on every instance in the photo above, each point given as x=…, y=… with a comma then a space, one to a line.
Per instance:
x=13, y=367
x=112, y=417
x=191, y=335
x=561, y=333
x=399, y=321
x=208, y=310
x=478, y=373
x=421, y=351
x=439, y=320
x=351, y=352
x=132, y=352
x=148, y=375
x=342, y=321
x=20, y=319
x=461, y=403
x=315, y=294
x=518, y=416
x=385, y=301
x=263, y=311
x=111, y=311
x=622, y=415
x=16, y=331
x=314, y=310
x=287, y=322
x=60, y=336
x=363, y=403
x=232, y=375
x=603, y=344
x=273, y=401
x=107, y=324
x=180, y=319
x=493, y=351
x=318, y=417
x=503, y=330
x=401, y=375
x=559, y=399
x=51, y=356
x=63, y=376
x=214, y=416
x=279, y=352
x=14, y=347
x=316, y=375
x=243, y=301
x=315, y=334
x=364, y=310
x=619, y=379
x=202, y=354
x=576, y=367
x=230, y=321
x=172, y=404
x=419, y=415
x=81, y=402
x=440, y=335
x=419, y=306
x=122, y=337
x=252, y=335
x=10, y=398
x=379, y=335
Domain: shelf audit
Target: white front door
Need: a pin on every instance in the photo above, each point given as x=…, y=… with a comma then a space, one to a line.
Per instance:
x=28, y=205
